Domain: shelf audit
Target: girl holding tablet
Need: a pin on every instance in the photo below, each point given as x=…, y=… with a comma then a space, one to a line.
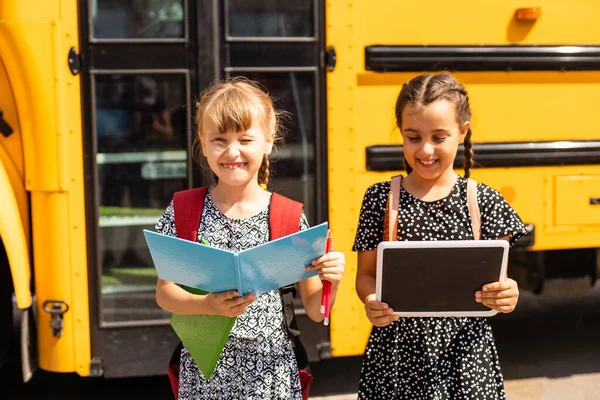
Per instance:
x=433, y=357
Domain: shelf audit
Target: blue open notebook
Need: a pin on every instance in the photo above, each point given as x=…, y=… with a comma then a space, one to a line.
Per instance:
x=260, y=269
x=200, y=269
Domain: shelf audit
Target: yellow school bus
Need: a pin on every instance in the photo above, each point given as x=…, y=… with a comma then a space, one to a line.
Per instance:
x=533, y=76
x=96, y=123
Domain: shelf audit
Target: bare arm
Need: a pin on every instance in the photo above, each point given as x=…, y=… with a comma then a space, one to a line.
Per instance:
x=170, y=297
x=310, y=292
x=365, y=273
x=380, y=314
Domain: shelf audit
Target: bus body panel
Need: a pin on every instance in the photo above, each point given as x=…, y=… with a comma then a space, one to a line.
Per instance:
x=468, y=22
x=508, y=107
x=48, y=103
x=11, y=151
x=37, y=90
x=13, y=236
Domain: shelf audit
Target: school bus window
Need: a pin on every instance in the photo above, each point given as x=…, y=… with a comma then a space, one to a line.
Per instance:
x=138, y=19
x=141, y=133
x=279, y=18
x=294, y=160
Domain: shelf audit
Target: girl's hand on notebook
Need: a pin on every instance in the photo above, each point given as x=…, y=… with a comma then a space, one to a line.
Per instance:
x=229, y=304
x=380, y=314
x=330, y=266
x=500, y=296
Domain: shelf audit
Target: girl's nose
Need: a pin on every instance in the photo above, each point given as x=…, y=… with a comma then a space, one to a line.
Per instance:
x=428, y=148
x=232, y=150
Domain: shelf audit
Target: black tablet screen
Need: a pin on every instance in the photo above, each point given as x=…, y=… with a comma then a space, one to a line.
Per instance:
x=438, y=279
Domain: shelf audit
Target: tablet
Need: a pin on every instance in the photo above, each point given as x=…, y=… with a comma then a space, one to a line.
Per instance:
x=438, y=278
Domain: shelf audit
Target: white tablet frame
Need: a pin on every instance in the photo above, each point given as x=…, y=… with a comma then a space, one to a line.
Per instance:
x=440, y=245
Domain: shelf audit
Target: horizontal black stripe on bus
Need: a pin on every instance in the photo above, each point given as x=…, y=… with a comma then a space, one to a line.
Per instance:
x=390, y=58
x=500, y=155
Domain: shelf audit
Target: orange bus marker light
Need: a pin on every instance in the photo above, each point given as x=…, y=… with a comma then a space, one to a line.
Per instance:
x=528, y=14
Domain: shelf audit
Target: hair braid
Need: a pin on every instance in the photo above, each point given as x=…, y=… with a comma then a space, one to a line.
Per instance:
x=468, y=153
x=263, y=172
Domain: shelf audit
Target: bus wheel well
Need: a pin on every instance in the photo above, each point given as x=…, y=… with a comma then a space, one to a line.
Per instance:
x=533, y=269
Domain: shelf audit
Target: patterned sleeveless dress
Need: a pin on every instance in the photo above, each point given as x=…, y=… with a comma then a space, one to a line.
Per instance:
x=258, y=361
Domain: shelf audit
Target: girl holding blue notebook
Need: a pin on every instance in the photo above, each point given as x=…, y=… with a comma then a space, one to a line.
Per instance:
x=433, y=358
x=237, y=129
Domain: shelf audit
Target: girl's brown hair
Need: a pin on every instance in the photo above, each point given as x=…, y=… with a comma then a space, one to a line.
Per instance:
x=232, y=105
x=424, y=90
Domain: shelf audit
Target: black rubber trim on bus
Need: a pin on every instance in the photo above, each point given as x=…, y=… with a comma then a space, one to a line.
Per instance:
x=391, y=58
x=499, y=155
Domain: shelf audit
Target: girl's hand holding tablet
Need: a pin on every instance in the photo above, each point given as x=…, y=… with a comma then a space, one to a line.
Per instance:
x=500, y=296
x=380, y=314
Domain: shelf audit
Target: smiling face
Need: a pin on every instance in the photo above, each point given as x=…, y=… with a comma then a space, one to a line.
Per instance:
x=431, y=136
x=235, y=157
x=237, y=128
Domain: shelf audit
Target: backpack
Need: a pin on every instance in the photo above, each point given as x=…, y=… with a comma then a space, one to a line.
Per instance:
x=284, y=219
x=390, y=220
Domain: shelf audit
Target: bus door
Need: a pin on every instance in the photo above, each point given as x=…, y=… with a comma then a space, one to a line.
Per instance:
x=139, y=84
x=145, y=65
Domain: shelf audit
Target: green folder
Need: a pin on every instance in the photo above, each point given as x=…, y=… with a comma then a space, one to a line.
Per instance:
x=204, y=336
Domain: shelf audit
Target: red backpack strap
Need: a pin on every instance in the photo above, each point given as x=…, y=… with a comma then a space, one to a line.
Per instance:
x=284, y=219
x=284, y=216
x=187, y=207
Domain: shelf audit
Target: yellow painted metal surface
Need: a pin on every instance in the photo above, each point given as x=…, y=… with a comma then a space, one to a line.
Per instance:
x=347, y=320
x=14, y=224
x=507, y=107
x=15, y=241
x=475, y=22
x=516, y=106
x=12, y=146
x=573, y=202
x=36, y=43
x=39, y=34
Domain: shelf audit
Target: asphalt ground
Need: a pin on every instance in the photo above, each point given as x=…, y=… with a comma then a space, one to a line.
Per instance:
x=549, y=349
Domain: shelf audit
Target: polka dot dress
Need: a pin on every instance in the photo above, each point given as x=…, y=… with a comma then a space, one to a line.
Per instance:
x=434, y=358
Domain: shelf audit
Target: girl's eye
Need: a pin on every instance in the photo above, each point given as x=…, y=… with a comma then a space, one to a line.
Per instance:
x=218, y=140
x=246, y=140
x=439, y=139
x=414, y=139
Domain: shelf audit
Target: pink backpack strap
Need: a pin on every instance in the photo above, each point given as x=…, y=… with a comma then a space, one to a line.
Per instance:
x=474, y=208
x=390, y=223
x=284, y=216
x=187, y=207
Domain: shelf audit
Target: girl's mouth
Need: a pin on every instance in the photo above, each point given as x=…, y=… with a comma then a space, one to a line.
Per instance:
x=428, y=163
x=234, y=165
